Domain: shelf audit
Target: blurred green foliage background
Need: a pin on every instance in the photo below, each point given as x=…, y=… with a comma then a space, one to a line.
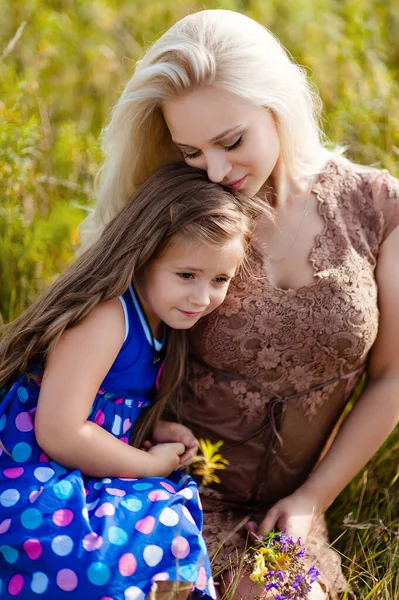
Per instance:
x=63, y=64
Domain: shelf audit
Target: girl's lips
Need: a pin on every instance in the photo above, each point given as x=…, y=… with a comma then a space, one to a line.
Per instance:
x=190, y=314
x=237, y=184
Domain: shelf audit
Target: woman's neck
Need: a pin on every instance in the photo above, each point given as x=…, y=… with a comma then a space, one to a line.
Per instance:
x=280, y=189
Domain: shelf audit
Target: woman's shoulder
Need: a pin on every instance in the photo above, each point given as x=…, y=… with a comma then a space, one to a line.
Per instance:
x=364, y=188
x=343, y=168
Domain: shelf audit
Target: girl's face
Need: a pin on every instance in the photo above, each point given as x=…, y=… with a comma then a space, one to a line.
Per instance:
x=187, y=281
x=233, y=140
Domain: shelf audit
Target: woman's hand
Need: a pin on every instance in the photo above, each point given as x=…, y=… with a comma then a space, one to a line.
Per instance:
x=296, y=514
x=166, y=431
x=166, y=458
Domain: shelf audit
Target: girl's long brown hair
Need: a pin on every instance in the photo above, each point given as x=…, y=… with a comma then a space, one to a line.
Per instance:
x=177, y=199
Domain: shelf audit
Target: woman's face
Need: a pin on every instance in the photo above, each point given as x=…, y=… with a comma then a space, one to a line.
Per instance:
x=233, y=140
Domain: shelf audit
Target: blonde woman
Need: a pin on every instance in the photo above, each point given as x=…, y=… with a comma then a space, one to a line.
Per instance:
x=272, y=370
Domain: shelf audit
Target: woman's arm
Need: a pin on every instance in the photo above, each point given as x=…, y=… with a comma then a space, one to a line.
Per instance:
x=74, y=372
x=372, y=419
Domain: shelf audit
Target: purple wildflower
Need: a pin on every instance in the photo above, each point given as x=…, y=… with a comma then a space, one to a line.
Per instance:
x=313, y=574
x=270, y=586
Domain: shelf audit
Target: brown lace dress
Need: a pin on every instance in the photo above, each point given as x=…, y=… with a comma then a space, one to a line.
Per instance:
x=272, y=370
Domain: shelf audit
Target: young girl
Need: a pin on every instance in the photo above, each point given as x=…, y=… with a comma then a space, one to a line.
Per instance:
x=82, y=511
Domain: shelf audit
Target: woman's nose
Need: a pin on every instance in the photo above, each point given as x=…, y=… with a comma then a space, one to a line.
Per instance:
x=218, y=167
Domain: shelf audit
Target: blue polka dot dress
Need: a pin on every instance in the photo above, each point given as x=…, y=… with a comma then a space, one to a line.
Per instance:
x=65, y=535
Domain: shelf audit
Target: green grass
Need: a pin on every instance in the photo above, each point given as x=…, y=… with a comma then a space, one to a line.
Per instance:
x=63, y=64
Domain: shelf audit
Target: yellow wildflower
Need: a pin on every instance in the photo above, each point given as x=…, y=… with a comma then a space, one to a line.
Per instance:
x=260, y=570
x=208, y=461
x=282, y=560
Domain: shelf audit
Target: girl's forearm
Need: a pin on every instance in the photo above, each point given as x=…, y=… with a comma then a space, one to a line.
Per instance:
x=98, y=453
x=372, y=419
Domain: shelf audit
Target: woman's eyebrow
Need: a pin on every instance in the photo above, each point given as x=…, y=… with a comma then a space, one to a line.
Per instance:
x=213, y=140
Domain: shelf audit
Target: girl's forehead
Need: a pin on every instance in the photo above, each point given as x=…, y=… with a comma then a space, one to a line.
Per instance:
x=184, y=249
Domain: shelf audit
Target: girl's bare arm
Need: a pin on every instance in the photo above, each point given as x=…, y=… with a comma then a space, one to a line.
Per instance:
x=74, y=372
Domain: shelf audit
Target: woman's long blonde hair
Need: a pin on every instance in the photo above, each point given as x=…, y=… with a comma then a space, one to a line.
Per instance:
x=175, y=200
x=211, y=47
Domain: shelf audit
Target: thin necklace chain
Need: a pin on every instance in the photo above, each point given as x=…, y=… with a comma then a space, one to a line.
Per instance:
x=295, y=237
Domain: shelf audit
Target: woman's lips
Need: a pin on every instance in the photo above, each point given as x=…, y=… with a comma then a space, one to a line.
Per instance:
x=237, y=183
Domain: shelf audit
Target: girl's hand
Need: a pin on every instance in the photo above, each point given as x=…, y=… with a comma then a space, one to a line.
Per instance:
x=166, y=431
x=296, y=514
x=166, y=458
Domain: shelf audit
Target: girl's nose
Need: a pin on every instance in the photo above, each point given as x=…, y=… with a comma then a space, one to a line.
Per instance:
x=200, y=297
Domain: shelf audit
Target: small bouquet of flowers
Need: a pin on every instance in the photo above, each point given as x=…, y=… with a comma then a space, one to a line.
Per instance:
x=277, y=566
x=208, y=461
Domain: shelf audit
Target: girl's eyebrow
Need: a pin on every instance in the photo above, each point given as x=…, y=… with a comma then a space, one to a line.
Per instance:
x=189, y=269
x=213, y=140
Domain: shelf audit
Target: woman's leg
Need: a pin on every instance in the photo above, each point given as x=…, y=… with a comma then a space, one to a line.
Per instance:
x=248, y=590
x=170, y=590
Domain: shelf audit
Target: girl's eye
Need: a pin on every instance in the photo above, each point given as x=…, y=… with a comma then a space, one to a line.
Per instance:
x=185, y=275
x=237, y=143
x=222, y=280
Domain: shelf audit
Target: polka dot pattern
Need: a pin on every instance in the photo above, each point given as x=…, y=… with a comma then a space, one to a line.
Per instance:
x=23, y=422
x=43, y=474
x=15, y=585
x=117, y=535
x=152, y=555
x=92, y=541
x=62, y=545
x=63, y=490
x=180, y=547
x=67, y=580
x=134, y=593
x=21, y=452
x=5, y=525
x=31, y=518
x=62, y=517
x=9, y=497
x=33, y=548
x=98, y=573
x=39, y=583
x=9, y=553
x=63, y=533
x=14, y=472
x=127, y=564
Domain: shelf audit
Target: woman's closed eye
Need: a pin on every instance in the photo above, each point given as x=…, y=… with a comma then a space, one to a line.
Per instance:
x=233, y=146
x=190, y=156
